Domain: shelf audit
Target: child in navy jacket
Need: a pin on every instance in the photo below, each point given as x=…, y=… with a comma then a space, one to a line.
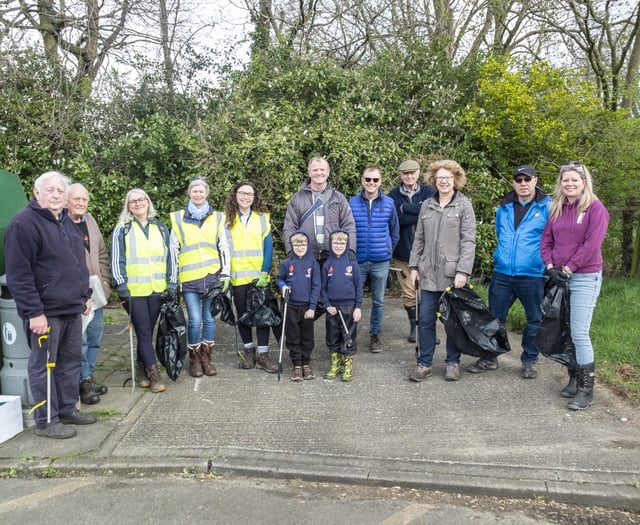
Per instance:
x=342, y=296
x=299, y=276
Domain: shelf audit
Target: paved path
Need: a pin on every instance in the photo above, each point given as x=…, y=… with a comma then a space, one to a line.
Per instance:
x=493, y=433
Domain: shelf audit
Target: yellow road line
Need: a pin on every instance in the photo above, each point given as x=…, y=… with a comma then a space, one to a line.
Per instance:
x=43, y=495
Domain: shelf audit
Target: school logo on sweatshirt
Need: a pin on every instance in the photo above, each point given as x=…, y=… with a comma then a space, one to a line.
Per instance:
x=349, y=271
x=290, y=270
x=330, y=271
x=309, y=270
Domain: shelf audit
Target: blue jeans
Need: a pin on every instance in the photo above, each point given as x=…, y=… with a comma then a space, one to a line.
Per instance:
x=503, y=292
x=91, y=339
x=584, y=289
x=377, y=273
x=427, y=331
x=199, y=314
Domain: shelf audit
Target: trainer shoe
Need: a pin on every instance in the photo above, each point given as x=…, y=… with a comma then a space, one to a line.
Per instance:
x=452, y=373
x=482, y=365
x=307, y=373
x=77, y=418
x=56, y=431
x=420, y=373
x=529, y=371
x=296, y=373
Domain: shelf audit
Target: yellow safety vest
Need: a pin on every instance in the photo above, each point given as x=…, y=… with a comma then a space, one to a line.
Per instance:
x=199, y=254
x=146, y=261
x=246, y=247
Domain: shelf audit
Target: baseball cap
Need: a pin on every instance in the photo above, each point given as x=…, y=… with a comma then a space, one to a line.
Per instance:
x=525, y=170
x=408, y=165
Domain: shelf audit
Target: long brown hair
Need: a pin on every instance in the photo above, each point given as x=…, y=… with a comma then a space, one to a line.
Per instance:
x=231, y=206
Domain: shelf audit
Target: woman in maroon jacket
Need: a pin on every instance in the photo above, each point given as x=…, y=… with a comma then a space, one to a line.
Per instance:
x=571, y=249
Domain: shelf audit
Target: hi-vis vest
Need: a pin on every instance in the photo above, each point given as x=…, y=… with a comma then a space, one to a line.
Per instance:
x=146, y=261
x=245, y=245
x=198, y=246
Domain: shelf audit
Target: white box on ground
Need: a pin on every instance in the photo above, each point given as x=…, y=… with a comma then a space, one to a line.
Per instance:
x=10, y=417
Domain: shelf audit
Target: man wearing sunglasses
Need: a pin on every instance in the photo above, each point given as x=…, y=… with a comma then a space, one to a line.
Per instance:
x=377, y=233
x=518, y=267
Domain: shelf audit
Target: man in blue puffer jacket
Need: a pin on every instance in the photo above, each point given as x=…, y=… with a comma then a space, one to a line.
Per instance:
x=518, y=267
x=377, y=233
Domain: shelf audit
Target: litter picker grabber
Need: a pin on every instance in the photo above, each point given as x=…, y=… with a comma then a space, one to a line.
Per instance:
x=417, y=319
x=43, y=344
x=285, y=299
x=133, y=363
x=347, y=336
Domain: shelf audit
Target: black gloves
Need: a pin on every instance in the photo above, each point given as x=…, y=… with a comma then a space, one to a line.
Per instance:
x=170, y=295
x=124, y=295
x=557, y=276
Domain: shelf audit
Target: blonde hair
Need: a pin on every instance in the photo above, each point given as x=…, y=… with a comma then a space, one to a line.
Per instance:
x=126, y=216
x=298, y=237
x=339, y=236
x=558, y=198
x=459, y=175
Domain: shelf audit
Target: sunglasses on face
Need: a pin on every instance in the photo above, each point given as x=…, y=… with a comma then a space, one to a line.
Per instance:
x=520, y=180
x=371, y=179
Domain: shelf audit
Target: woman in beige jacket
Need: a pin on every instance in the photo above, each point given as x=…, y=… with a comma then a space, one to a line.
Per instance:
x=442, y=255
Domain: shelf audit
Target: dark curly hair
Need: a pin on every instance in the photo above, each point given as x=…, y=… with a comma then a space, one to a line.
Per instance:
x=231, y=206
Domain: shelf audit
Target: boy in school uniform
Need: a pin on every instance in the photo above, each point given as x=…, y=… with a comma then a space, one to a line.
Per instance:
x=342, y=296
x=299, y=276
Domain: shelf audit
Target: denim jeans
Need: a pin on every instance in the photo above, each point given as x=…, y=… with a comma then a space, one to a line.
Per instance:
x=427, y=331
x=377, y=273
x=584, y=289
x=503, y=291
x=91, y=339
x=199, y=317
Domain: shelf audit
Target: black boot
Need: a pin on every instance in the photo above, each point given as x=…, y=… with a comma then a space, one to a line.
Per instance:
x=87, y=394
x=584, y=397
x=411, y=313
x=572, y=386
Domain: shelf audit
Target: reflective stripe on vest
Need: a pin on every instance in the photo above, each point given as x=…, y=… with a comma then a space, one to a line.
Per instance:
x=198, y=246
x=247, y=263
x=146, y=261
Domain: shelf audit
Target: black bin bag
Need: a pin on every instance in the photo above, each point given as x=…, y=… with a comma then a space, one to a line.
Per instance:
x=553, y=339
x=470, y=324
x=221, y=303
x=262, y=307
x=171, y=338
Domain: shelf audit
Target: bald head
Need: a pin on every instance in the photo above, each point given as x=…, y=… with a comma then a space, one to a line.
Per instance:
x=77, y=201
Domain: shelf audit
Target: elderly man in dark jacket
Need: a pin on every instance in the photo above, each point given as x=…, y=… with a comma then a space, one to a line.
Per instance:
x=408, y=198
x=48, y=279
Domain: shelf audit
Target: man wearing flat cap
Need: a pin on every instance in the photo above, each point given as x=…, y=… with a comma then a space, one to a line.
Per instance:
x=408, y=198
x=518, y=267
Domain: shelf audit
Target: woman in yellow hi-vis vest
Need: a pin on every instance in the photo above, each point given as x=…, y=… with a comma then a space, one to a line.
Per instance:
x=201, y=255
x=142, y=270
x=249, y=235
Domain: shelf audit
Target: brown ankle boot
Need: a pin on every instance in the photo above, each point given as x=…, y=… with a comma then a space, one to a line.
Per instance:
x=195, y=365
x=206, y=350
x=141, y=375
x=156, y=381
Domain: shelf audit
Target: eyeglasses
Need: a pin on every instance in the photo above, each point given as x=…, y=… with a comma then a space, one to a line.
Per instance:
x=135, y=202
x=443, y=179
x=371, y=179
x=338, y=243
x=520, y=180
x=245, y=193
x=299, y=244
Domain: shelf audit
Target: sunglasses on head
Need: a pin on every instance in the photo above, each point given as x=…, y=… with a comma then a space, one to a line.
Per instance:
x=573, y=164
